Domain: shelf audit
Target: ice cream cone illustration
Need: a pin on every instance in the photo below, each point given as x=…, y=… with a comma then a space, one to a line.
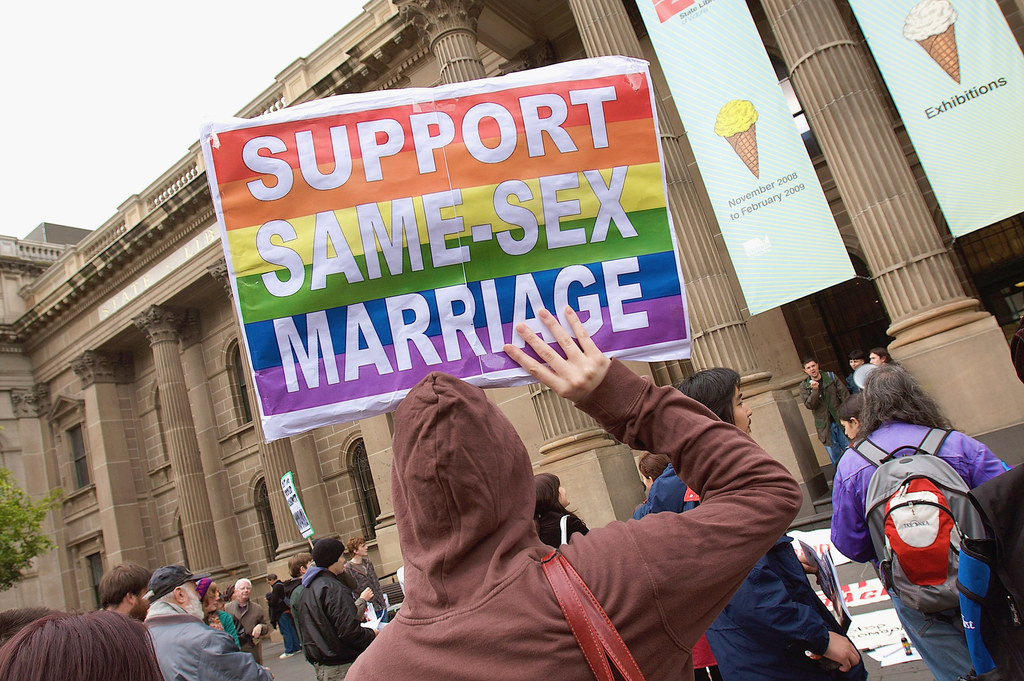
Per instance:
x=736, y=123
x=932, y=24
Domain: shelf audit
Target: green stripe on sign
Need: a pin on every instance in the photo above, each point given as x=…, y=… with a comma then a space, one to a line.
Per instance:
x=487, y=261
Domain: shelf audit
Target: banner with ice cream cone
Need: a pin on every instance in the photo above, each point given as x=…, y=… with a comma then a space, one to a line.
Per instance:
x=776, y=222
x=956, y=75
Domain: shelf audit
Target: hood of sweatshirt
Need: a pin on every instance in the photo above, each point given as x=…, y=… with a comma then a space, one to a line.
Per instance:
x=311, y=574
x=463, y=493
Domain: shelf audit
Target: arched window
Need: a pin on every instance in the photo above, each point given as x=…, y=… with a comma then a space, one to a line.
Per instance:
x=266, y=518
x=362, y=478
x=239, y=386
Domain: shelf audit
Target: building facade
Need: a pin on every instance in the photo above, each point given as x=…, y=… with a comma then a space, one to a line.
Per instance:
x=128, y=389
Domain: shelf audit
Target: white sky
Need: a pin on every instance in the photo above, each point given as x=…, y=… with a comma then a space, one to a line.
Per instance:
x=101, y=98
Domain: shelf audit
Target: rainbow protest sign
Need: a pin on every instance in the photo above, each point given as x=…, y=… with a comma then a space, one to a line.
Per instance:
x=376, y=237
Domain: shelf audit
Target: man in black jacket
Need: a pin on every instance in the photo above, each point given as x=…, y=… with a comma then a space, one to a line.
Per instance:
x=325, y=613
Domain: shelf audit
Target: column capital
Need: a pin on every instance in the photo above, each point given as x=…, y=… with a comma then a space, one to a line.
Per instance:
x=30, y=403
x=219, y=271
x=435, y=18
x=93, y=366
x=160, y=323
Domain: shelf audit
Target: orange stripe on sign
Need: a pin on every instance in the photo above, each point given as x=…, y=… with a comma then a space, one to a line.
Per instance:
x=631, y=103
x=630, y=143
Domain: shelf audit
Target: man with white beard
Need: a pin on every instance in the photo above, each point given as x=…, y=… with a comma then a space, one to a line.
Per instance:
x=187, y=649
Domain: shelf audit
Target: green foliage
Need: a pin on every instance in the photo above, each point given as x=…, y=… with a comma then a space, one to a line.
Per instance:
x=21, y=536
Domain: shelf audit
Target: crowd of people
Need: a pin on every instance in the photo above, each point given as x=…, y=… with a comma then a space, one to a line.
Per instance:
x=176, y=625
x=703, y=576
x=824, y=393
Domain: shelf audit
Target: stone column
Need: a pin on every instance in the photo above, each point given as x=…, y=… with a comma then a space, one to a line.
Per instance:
x=599, y=471
x=276, y=458
x=162, y=325
x=41, y=476
x=720, y=337
x=109, y=456
x=309, y=481
x=942, y=336
x=720, y=333
x=449, y=27
x=218, y=488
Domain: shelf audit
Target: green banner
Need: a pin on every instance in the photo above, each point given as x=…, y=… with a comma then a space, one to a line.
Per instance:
x=956, y=75
x=774, y=217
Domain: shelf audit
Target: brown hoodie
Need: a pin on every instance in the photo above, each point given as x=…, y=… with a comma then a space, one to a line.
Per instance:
x=477, y=604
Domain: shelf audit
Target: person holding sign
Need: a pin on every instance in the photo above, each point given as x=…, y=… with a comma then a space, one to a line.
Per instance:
x=462, y=486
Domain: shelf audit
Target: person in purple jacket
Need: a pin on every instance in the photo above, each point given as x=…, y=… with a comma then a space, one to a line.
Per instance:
x=898, y=413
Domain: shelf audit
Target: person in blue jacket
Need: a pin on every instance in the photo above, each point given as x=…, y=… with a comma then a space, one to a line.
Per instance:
x=775, y=620
x=775, y=624
x=718, y=390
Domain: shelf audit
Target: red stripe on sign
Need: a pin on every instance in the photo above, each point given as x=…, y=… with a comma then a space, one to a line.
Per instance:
x=632, y=103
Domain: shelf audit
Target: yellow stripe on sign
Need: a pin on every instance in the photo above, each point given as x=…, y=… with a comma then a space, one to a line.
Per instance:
x=641, y=189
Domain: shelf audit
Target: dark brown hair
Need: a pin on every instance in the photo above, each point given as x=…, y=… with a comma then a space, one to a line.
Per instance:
x=715, y=389
x=547, y=485
x=12, y=621
x=296, y=562
x=652, y=465
x=121, y=580
x=883, y=353
x=851, y=408
x=96, y=646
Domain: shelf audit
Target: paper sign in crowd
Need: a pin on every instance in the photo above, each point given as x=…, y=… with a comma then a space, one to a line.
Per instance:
x=373, y=238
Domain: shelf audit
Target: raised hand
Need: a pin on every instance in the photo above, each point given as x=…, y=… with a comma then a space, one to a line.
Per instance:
x=574, y=376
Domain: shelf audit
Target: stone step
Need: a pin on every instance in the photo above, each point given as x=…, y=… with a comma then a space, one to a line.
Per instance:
x=816, y=521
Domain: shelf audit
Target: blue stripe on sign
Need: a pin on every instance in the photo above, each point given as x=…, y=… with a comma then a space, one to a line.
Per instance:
x=656, y=276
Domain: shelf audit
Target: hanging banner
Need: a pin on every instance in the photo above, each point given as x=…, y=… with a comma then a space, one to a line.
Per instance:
x=956, y=75
x=376, y=237
x=776, y=222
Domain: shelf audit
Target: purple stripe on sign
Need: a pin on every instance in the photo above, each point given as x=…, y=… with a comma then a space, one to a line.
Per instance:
x=665, y=323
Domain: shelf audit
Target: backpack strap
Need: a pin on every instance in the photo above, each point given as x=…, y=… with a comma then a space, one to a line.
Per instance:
x=933, y=441
x=593, y=630
x=872, y=453
x=930, y=445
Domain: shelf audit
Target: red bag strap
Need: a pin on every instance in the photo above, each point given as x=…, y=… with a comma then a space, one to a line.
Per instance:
x=593, y=630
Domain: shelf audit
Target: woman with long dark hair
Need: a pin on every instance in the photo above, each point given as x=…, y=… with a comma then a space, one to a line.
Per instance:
x=775, y=616
x=556, y=524
x=96, y=646
x=896, y=416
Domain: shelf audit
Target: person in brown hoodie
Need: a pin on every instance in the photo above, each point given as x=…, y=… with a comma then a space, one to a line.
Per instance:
x=477, y=603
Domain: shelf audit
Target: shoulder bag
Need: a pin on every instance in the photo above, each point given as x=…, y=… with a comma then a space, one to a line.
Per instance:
x=594, y=632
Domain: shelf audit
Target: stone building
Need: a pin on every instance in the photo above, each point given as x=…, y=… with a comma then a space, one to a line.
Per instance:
x=124, y=383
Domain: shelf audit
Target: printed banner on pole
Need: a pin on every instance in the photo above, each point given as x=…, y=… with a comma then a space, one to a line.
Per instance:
x=776, y=222
x=376, y=237
x=956, y=75
x=295, y=506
